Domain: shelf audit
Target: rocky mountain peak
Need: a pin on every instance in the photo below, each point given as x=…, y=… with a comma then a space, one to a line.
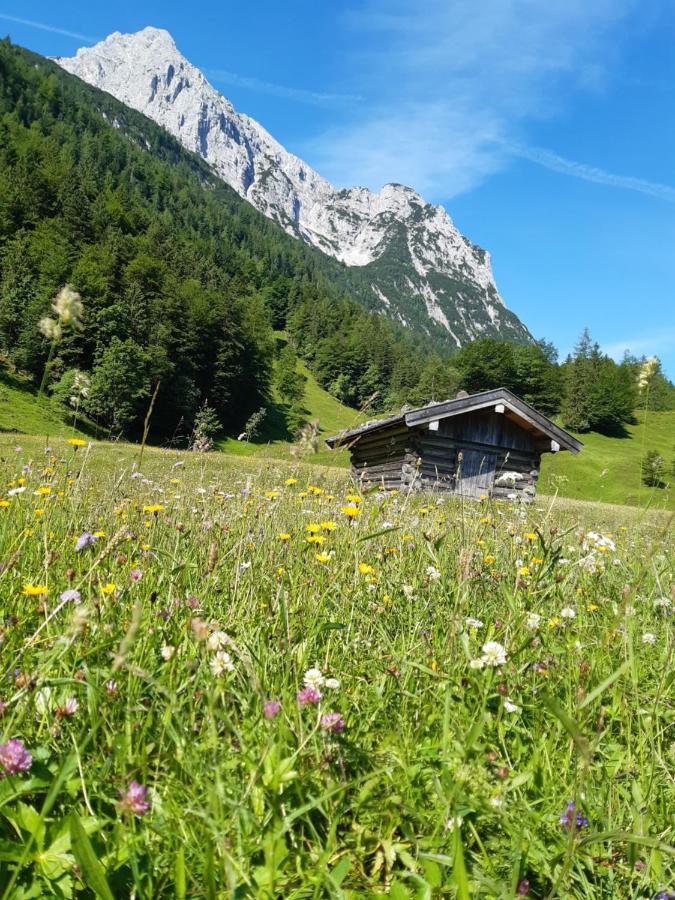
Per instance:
x=420, y=270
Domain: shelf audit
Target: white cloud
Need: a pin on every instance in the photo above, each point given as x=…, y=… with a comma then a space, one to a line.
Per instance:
x=550, y=160
x=455, y=83
x=53, y=29
x=301, y=95
x=659, y=343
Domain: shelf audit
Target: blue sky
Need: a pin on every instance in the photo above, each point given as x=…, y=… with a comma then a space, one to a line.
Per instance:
x=546, y=127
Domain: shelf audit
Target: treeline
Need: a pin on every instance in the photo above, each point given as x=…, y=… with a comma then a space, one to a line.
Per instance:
x=182, y=282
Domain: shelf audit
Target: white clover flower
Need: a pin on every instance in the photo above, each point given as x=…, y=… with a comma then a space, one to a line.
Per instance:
x=533, y=621
x=245, y=566
x=167, y=652
x=496, y=802
x=221, y=662
x=453, y=823
x=510, y=706
x=332, y=683
x=568, y=613
x=473, y=623
x=217, y=640
x=494, y=654
x=14, y=491
x=662, y=603
x=313, y=678
x=70, y=707
x=476, y=664
x=648, y=638
x=432, y=573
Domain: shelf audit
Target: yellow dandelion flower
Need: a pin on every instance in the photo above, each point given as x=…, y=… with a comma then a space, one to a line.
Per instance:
x=271, y=495
x=34, y=590
x=554, y=622
x=322, y=557
x=290, y=482
x=536, y=561
x=302, y=494
x=328, y=526
x=315, y=490
x=21, y=481
x=351, y=511
x=99, y=534
x=76, y=442
x=366, y=569
x=108, y=588
x=592, y=607
x=154, y=508
x=312, y=528
x=4, y=504
x=284, y=536
x=489, y=559
x=386, y=599
x=524, y=570
x=354, y=498
x=315, y=538
x=530, y=536
x=43, y=491
x=39, y=512
x=174, y=481
x=280, y=570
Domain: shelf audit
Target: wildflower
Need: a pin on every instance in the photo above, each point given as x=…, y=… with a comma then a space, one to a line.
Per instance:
x=221, y=663
x=648, y=638
x=332, y=683
x=85, y=540
x=353, y=498
x=217, y=640
x=322, y=557
x=154, y=508
x=312, y=528
x=272, y=495
x=476, y=664
x=76, y=442
x=489, y=559
x=245, y=566
x=4, y=504
x=432, y=573
x=111, y=687
x=333, y=723
x=313, y=678
x=328, y=526
x=34, y=590
x=315, y=539
x=14, y=758
x=524, y=570
x=71, y=596
x=167, y=652
x=569, y=819
x=308, y=696
x=567, y=613
x=510, y=706
x=134, y=799
x=473, y=623
x=43, y=491
x=533, y=621
x=493, y=654
x=662, y=603
x=284, y=536
x=291, y=481
x=14, y=491
x=366, y=569
x=454, y=823
x=271, y=709
x=69, y=708
x=199, y=628
x=351, y=511
x=108, y=588
x=496, y=802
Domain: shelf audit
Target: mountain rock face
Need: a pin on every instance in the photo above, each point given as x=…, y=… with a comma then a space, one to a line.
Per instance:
x=415, y=266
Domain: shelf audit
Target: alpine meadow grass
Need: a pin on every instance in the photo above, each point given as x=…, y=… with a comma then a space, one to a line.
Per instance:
x=241, y=678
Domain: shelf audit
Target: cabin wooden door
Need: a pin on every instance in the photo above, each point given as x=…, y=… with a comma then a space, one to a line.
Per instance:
x=475, y=473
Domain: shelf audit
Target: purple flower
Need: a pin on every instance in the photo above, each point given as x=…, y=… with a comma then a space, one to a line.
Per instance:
x=570, y=817
x=135, y=574
x=85, y=540
x=134, y=799
x=308, y=695
x=71, y=595
x=14, y=758
x=333, y=723
x=271, y=709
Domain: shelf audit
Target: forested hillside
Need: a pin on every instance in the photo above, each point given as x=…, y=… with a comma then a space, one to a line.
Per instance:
x=181, y=281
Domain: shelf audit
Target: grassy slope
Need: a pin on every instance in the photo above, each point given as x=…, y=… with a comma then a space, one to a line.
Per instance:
x=21, y=412
x=608, y=468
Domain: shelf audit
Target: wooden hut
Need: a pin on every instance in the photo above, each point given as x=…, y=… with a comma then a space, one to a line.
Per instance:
x=480, y=444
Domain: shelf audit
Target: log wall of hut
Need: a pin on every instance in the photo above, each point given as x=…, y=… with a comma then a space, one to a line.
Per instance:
x=509, y=454
x=387, y=458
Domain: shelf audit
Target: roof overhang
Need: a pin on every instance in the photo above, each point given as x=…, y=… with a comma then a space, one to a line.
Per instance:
x=511, y=405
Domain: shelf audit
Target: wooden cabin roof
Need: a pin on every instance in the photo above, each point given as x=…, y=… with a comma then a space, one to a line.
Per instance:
x=516, y=409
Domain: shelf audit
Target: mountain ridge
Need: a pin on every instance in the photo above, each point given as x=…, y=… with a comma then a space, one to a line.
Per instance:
x=416, y=267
